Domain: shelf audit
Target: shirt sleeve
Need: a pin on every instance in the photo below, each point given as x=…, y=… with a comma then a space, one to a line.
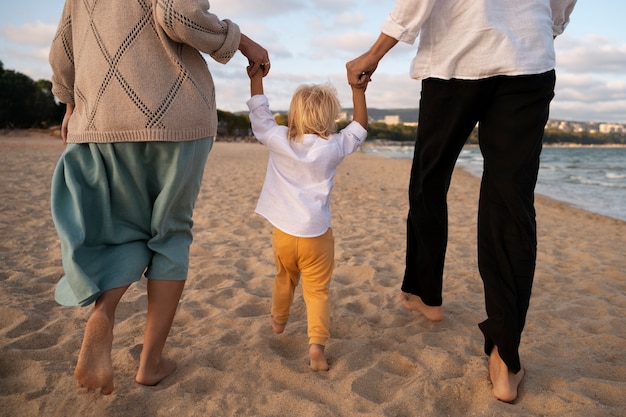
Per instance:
x=561, y=10
x=351, y=137
x=189, y=22
x=406, y=19
x=61, y=59
x=261, y=117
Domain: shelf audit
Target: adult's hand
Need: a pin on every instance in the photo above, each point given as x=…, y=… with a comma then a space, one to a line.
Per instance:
x=258, y=58
x=69, y=109
x=360, y=70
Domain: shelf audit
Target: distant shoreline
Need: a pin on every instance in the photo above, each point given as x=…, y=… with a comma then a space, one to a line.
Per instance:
x=55, y=132
x=384, y=142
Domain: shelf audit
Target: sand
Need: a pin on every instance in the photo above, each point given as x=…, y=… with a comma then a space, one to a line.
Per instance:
x=385, y=361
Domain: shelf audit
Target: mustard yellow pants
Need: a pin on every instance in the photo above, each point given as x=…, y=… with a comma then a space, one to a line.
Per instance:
x=311, y=260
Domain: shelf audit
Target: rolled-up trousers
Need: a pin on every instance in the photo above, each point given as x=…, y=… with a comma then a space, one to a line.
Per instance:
x=312, y=260
x=511, y=112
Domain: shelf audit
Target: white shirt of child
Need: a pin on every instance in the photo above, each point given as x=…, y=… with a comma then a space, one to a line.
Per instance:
x=477, y=39
x=300, y=175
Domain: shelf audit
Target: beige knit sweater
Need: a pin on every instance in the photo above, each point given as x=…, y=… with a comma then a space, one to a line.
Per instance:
x=133, y=69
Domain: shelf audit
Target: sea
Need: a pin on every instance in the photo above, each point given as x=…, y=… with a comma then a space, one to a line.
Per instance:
x=590, y=178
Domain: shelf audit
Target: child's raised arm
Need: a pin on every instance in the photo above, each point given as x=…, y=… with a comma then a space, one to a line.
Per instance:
x=360, y=106
x=256, y=83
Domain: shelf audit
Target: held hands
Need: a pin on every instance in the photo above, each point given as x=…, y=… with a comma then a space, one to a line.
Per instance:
x=359, y=88
x=252, y=74
x=360, y=70
x=259, y=63
x=258, y=58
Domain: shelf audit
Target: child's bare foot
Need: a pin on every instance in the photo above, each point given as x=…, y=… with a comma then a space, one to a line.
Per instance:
x=505, y=383
x=318, y=359
x=414, y=303
x=277, y=327
x=156, y=374
x=94, y=369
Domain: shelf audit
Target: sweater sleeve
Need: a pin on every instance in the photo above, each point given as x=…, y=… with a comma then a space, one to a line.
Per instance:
x=189, y=22
x=61, y=59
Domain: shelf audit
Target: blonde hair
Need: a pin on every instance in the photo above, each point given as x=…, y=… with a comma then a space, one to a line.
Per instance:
x=314, y=109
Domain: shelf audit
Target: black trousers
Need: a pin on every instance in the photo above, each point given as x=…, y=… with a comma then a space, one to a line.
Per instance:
x=511, y=112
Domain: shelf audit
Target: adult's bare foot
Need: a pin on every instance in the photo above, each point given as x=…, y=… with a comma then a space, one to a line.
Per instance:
x=152, y=375
x=94, y=368
x=505, y=383
x=414, y=303
x=277, y=327
x=317, y=357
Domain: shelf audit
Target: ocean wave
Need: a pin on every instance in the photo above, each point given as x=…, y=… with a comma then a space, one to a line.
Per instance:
x=615, y=176
x=590, y=178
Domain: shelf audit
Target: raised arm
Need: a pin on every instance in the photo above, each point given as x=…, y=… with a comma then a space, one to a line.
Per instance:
x=257, y=55
x=360, y=106
x=256, y=82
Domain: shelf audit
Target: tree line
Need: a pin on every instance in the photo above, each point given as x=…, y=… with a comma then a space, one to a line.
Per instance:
x=25, y=104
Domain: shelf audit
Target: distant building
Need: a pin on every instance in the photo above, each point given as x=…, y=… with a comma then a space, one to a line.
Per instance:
x=611, y=128
x=392, y=119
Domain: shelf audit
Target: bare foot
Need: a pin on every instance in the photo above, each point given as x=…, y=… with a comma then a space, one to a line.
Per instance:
x=414, y=303
x=277, y=327
x=153, y=375
x=318, y=359
x=94, y=369
x=505, y=383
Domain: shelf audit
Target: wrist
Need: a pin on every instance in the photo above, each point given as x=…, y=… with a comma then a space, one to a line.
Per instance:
x=383, y=44
x=243, y=41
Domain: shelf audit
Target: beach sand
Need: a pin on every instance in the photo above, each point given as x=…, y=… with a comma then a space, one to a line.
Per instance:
x=385, y=361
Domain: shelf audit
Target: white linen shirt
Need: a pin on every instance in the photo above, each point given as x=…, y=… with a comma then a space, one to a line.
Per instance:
x=295, y=196
x=477, y=39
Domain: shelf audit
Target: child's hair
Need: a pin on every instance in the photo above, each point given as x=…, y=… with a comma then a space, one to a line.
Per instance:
x=314, y=109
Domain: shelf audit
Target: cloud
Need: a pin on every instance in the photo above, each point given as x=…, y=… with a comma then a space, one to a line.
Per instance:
x=350, y=19
x=591, y=54
x=586, y=97
x=35, y=34
x=347, y=19
x=334, y=5
x=579, y=111
x=309, y=41
x=346, y=45
x=589, y=88
x=234, y=10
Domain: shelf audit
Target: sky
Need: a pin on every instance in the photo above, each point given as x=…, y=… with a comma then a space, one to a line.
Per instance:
x=309, y=41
